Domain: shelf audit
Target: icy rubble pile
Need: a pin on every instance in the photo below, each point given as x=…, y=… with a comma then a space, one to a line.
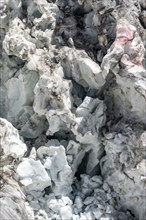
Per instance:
x=73, y=86
x=90, y=198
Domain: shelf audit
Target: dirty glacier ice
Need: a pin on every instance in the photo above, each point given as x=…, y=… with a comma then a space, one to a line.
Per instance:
x=73, y=109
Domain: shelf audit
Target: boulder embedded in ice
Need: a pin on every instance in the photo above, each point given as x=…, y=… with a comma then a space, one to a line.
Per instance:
x=87, y=107
x=87, y=131
x=58, y=120
x=52, y=92
x=91, y=73
x=10, y=142
x=57, y=168
x=33, y=175
x=93, y=119
x=82, y=69
x=53, y=100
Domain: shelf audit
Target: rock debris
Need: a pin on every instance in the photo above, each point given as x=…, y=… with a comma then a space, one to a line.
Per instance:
x=73, y=109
